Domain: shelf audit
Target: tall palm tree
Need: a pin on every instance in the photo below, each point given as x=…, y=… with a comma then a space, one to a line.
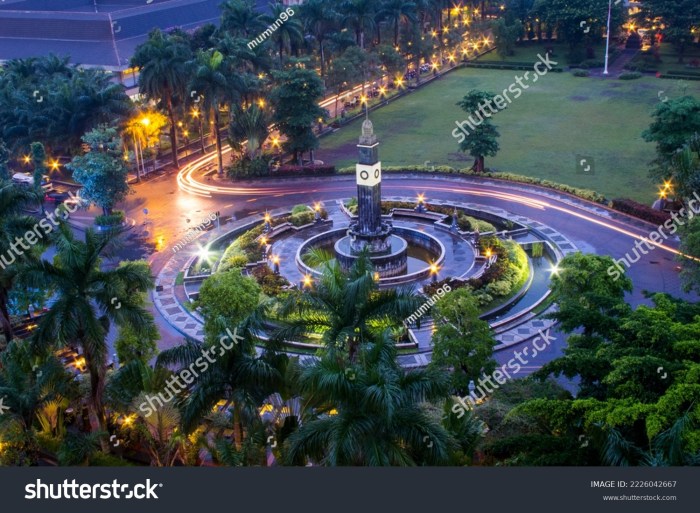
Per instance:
x=162, y=75
x=320, y=19
x=87, y=300
x=239, y=18
x=288, y=35
x=373, y=413
x=397, y=12
x=344, y=306
x=211, y=79
x=13, y=224
x=360, y=16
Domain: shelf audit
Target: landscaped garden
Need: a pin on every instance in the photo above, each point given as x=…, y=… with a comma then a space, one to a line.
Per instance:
x=557, y=121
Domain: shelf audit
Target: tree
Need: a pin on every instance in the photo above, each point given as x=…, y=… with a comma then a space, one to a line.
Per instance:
x=482, y=138
x=289, y=34
x=587, y=295
x=396, y=13
x=38, y=155
x=675, y=121
x=28, y=382
x=102, y=171
x=320, y=19
x=345, y=307
x=248, y=129
x=239, y=18
x=360, y=15
x=227, y=299
x=4, y=159
x=144, y=130
x=679, y=19
x=296, y=100
x=371, y=413
x=505, y=36
x=163, y=77
x=13, y=224
x=211, y=80
x=462, y=341
x=87, y=300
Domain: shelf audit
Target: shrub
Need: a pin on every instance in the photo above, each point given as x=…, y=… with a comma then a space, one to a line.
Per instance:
x=114, y=219
x=470, y=224
x=298, y=209
x=581, y=73
x=236, y=260
x=247, y=168
x=498, y=288
x=270, y=283
x=302, y=218
x=640, y=210
x=630, y=75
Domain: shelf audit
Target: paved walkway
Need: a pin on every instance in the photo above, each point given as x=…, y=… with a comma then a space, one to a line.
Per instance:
x=170, y=301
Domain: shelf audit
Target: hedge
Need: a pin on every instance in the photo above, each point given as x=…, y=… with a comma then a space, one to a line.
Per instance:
x=640, y=210
x=290, y=170
x=516, y=66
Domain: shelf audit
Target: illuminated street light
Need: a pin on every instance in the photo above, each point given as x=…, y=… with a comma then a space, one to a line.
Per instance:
x=434, y=270
x=554, y=270
x=276, y=264
x=307, y=281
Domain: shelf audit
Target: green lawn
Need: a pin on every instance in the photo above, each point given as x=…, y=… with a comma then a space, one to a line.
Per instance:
x=557, y=119
x=529, y=52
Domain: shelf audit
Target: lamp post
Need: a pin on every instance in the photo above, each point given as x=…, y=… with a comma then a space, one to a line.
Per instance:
x=607, y=38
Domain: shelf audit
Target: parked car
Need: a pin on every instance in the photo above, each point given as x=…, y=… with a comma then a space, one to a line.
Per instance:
x=27, y=180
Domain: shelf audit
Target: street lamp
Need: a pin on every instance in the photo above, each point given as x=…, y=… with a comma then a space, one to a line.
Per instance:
x=434, y=270
x=307, y=282
x=276, y=264
x=420, y=204
x=607, y=38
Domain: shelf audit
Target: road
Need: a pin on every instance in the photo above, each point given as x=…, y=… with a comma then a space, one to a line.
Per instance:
x=172, y=210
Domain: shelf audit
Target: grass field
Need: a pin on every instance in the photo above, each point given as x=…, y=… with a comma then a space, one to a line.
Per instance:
x=543, y=132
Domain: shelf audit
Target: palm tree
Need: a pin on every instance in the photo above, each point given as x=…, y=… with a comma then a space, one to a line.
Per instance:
x=360, y=15
x=162, y=75
x=210, y=78
x=239, y=18
x=87, y=300
x=29, y=383
x=373, y=413
x=248, y=129
x=397, y=12
x=144, y=130
x=344, y=306
x=320, y=20
x=289, y=34
x=13, y=224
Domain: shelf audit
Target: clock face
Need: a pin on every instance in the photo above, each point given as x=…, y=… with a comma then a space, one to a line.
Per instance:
x=369, y=175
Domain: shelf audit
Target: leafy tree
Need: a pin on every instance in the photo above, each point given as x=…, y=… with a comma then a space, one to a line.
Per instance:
x=680, y=19
x=296, y=100
x=505, y=36
x=675, y=121
x=690, y=245
x=391, y=59
x=371, y=413
x=144, y=130
x=482, y=138
x=587, y=295
x=87, y=300
x=288, y=35
x=462, y=341
x=102, y=171
x=227, y=299
x=162, y=75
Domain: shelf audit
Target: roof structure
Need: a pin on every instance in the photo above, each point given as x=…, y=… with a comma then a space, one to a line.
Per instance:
x=94, y=32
